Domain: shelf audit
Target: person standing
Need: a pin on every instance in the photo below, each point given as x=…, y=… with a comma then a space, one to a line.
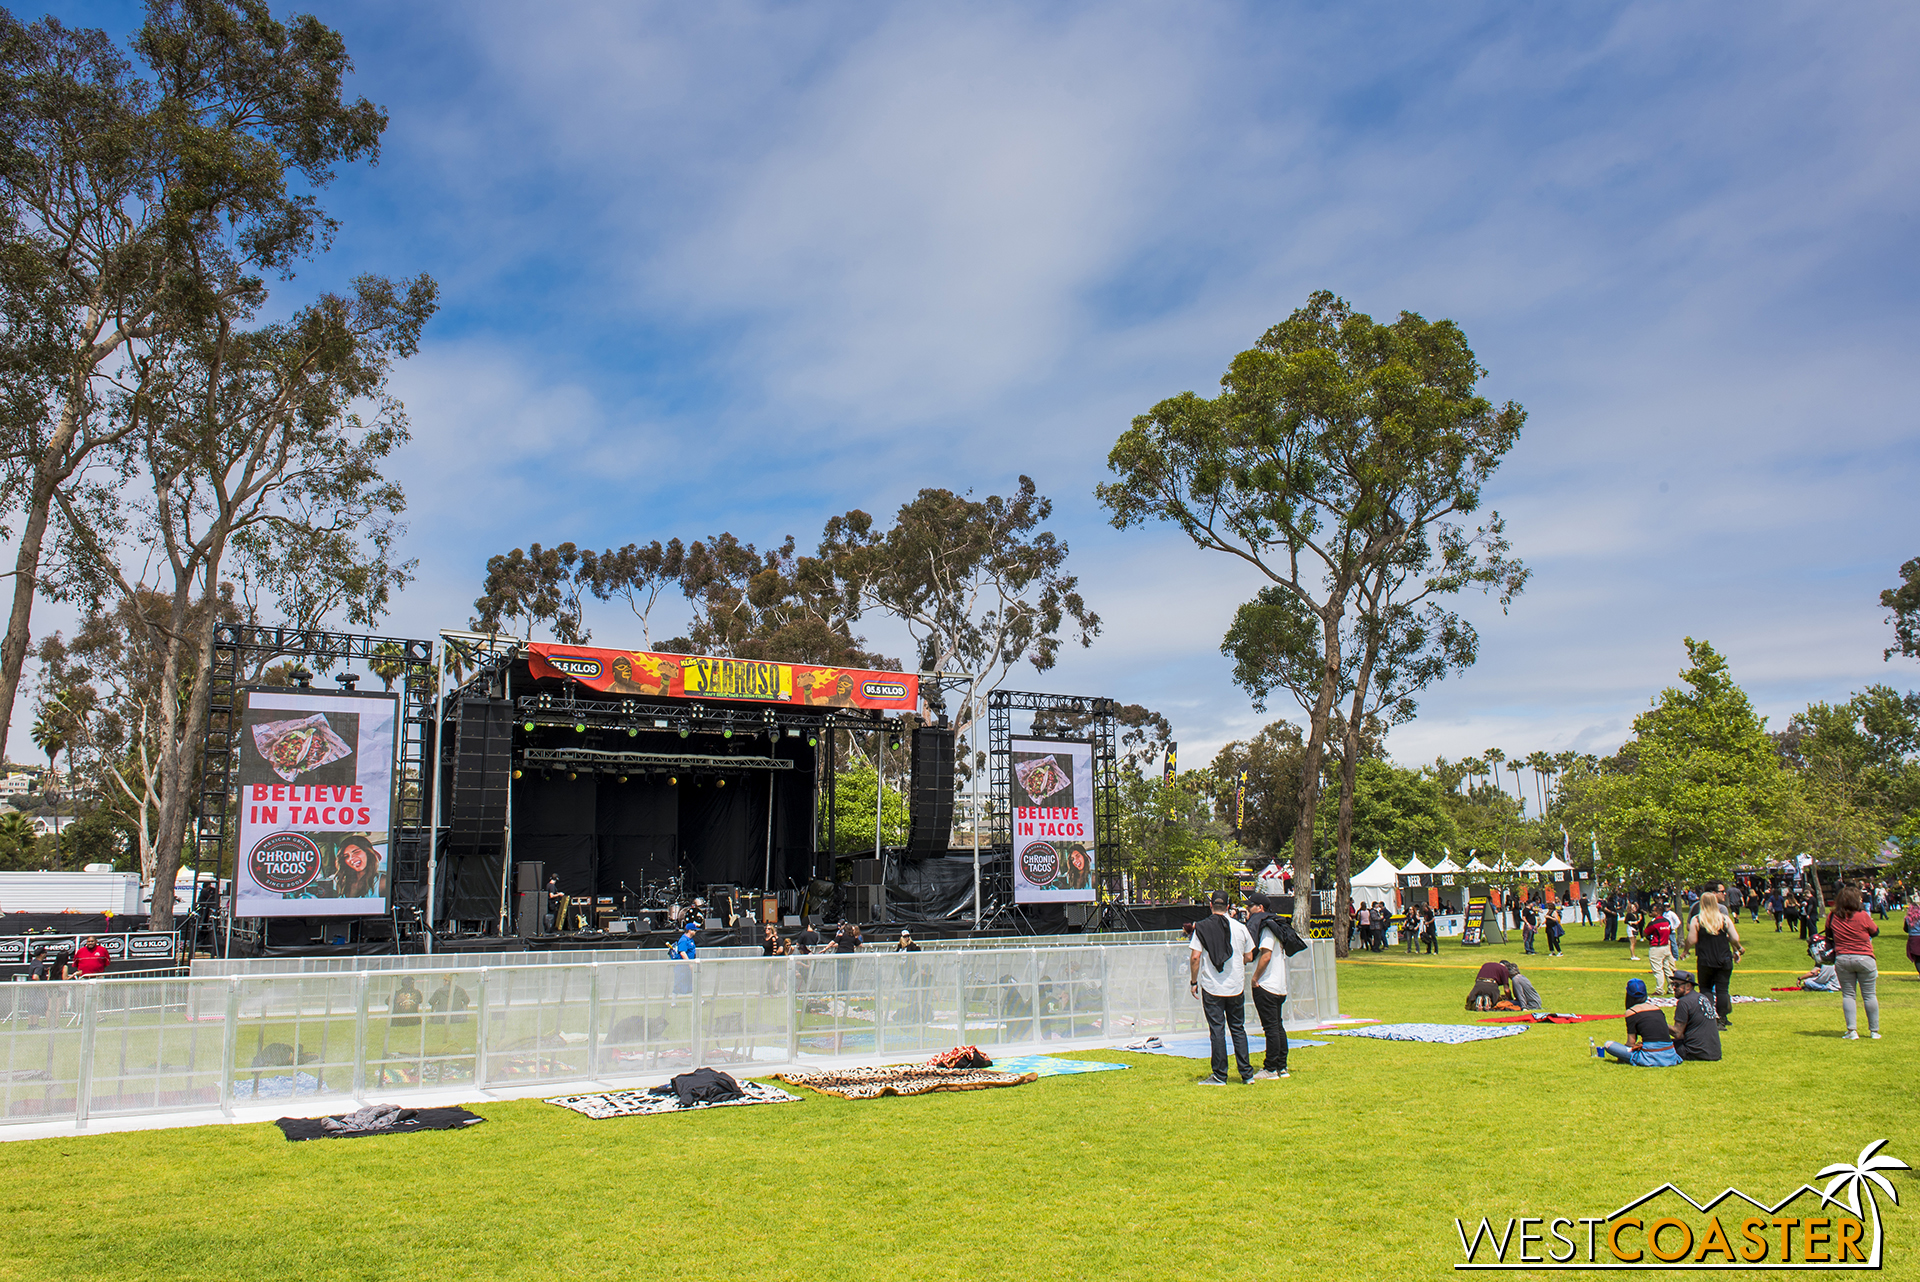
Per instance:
x=1851, y=933
x=1714, y=937
x=1777, y=905
x=1610, y=917
x=1270, y=987
x=1696, y=1033
x=1529, y=925
x=1913, y=933
x=1216, y=967
x=1636, y=927
x=1554, y=931
x=91, y=958
x=1430, y=930
x=684, y=949
x=553, y=902
x=1410, y=930
x=1676, y=931
x=1660, y=952
x=1586, y=910
x=906, y=944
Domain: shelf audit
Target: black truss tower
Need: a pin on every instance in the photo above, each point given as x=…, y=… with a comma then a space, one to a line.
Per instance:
x=239, y=649
x=1075, y=716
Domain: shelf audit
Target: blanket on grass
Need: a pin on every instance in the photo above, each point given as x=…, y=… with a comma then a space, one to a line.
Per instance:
x=663, y=1099
x=1671, y=1001
x=376, y=1119
x=1546, y=1017
x=1446, y=1034
x=1201, y=1048
x=901, y=1079
x=1048, y=1066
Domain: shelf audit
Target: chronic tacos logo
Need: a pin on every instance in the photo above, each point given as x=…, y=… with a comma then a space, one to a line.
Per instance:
x=1040, y=863
x=284, y=862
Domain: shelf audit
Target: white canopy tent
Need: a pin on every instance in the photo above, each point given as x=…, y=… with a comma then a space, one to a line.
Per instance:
x=1375, y=883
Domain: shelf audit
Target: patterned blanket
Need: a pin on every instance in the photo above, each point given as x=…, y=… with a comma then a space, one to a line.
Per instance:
x=902, y=1079
x=646, y=1103
x=1446, y=1034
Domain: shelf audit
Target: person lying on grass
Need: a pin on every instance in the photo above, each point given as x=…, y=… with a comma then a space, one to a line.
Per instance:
x=1649, y=1040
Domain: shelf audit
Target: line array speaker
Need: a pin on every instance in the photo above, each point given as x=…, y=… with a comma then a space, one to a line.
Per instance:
x=931, y=805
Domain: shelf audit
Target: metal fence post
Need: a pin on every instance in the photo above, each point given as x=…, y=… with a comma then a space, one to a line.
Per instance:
x=593, y=1022
x=1166, y=962
x=89, y=1016
x=1106, y=998
x=480, y=1033
x=230, y=1033
x=794, y=1003
x=1033, y=1005
x=360, y=1037
x=697, y=1042
x=960, y=1000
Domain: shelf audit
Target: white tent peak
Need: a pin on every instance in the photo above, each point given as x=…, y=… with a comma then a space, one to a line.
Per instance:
x=1414, y=865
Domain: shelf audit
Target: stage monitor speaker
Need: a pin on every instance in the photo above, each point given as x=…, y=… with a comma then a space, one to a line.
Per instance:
x=532, y=917
x=931, y=806
x=867, y=903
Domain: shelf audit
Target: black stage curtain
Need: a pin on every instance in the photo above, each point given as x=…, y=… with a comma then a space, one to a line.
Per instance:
x=717, y=826
x=567, y=855
x=638, y=823
x=553, y=821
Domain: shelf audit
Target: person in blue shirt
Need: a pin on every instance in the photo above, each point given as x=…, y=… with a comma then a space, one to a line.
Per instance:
x=683, y=949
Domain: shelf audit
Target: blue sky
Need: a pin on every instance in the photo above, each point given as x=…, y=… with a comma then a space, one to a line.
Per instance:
x=742, y=266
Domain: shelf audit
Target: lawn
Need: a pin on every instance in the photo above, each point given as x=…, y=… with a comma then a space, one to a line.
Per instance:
x=1355, y=1165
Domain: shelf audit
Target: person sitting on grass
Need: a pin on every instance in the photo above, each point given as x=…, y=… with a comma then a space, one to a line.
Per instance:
x=1649, y=1040
x=1525, y=995
x=1821, y=979
x=1696, y=1026
x=1491, y=986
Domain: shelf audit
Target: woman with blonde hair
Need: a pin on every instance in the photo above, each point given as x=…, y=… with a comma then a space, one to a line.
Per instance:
x=1714, y=939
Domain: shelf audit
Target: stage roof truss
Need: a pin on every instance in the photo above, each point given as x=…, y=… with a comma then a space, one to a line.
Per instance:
x=562, y=709
x=637, y=761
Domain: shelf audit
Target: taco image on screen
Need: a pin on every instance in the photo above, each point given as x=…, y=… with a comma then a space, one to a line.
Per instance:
x=1041, y=777
x=294, y=747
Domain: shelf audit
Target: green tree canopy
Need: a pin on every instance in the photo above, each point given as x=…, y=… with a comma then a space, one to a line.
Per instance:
x=1701, y=787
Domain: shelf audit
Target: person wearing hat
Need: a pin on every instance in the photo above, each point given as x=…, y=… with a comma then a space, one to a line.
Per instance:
x=684, y=949
x=1649, y=1040
x=1217, y=965
x=1696, y=1029
x=906, y=944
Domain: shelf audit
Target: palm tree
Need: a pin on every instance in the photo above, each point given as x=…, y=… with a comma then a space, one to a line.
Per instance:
x=387, y=661
x=1494, y=757
x=16, y=839
x=1541, y=764
x=1860, y=1177
x=50, y=736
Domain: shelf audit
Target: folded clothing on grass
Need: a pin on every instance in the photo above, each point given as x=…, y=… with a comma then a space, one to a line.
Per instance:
x=377, y=1119
x=902, y=1079
x=665, y=1099
x=1445, y=1034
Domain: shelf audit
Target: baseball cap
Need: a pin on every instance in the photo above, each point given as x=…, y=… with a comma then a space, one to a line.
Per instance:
x=1685, y=977
x=1220, y=899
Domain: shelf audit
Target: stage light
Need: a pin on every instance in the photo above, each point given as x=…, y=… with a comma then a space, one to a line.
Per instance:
x=516, y=774
x=528, y=727
x=623, y=778
x=632, y=731
x=659, y=724
x=580, y=727
x=812, y=742
x=793, y=734
x=719, y=783
x=672, y=781
x=727, y=733
x=685, y=730
x=572, y=775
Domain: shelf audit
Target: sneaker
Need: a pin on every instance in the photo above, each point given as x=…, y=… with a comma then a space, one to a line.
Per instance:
x=1265, y=1075
x=1876, y=1037
x=1212, y=1080
x=1851, y=1037
x=1284, y=1073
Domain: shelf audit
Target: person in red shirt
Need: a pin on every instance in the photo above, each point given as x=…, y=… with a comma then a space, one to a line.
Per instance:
x=90, y=958
x=1850, y=932
x=1659, y=934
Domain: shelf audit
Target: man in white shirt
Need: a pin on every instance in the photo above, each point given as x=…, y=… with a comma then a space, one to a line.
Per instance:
x=1217, y=964
x=1270, y=986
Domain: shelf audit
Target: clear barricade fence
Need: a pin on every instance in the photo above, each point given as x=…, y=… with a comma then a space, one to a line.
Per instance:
x=104, y=1048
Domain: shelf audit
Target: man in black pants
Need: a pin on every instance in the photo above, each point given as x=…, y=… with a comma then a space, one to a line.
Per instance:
x=1270, y=985
x=1217, y=961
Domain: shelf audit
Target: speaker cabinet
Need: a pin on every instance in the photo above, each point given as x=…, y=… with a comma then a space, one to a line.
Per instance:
x=931, y=805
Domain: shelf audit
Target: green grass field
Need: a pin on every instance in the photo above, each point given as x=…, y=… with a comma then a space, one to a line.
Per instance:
x=1353, y=1167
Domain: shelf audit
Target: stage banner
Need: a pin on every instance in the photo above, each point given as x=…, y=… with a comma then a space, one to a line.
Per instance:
x=685, y=676
x=1053, y=846
x=316, y=803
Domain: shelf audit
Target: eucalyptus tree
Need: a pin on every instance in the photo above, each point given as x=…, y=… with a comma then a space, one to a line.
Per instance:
x=1339, y=450
x=137, y=205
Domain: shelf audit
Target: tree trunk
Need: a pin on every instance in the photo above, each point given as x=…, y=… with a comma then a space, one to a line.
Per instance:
x=47, y=476
x=1310, y=765
x=184, y=738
